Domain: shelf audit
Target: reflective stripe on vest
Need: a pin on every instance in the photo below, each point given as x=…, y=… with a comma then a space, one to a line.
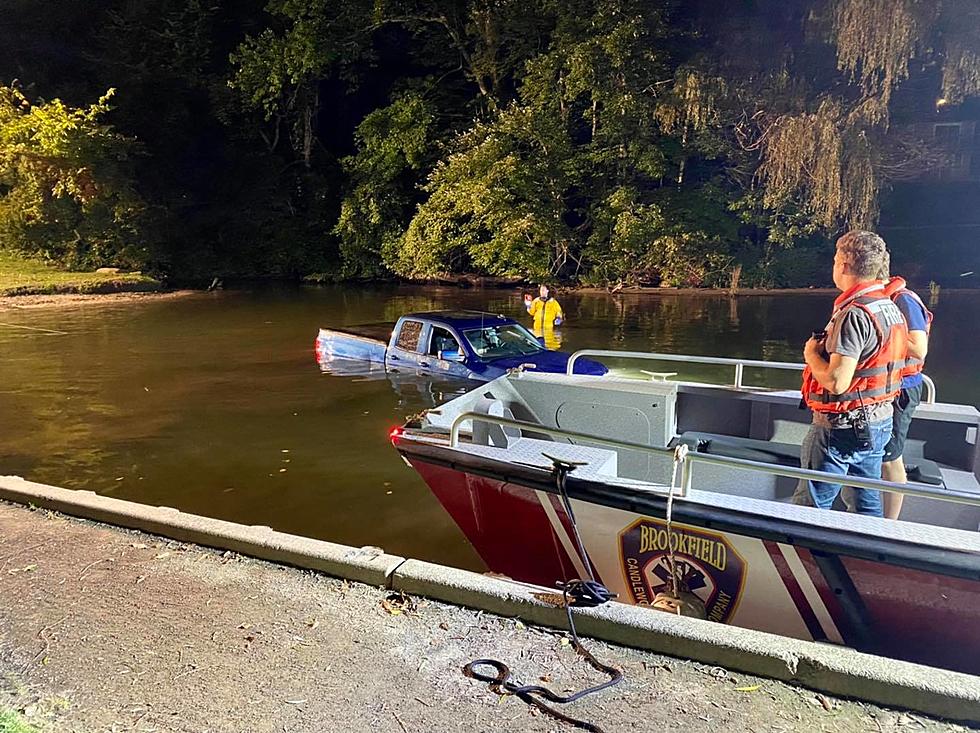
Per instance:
x=867, y=395
x=873, y=371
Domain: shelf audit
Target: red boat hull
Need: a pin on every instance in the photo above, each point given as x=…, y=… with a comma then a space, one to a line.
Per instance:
x=879, y=607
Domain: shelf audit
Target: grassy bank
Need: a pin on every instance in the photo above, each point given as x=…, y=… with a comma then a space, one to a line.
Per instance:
x=22, y=276
x=12, y=722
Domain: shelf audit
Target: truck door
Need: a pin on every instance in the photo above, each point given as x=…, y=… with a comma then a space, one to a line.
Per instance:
x=444, y=354
x=403, y=354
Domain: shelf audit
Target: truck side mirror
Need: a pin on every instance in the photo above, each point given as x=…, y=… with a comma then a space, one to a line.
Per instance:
x=453, y=355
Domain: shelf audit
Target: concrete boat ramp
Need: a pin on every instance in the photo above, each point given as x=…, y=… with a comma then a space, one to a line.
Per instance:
x=195, y=624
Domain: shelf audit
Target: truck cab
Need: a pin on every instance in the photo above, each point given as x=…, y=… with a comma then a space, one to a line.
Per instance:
x=429, y=343
x=473, y=345
x=454, y=344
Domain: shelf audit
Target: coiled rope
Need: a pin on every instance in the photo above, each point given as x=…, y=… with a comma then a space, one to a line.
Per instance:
x=580, y=593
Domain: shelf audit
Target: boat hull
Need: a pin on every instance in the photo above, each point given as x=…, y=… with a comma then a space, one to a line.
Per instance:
x=752, y=579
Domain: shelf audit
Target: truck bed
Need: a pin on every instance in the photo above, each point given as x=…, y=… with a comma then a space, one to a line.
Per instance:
x=363, y=343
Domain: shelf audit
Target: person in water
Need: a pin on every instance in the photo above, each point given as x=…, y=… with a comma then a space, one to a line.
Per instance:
x=547, y=314
x=853, y=373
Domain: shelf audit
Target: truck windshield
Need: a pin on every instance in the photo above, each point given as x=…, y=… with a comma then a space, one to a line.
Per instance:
x=496, y=342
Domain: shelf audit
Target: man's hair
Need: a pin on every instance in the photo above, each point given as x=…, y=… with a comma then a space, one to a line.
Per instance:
x=865, y=253
x=885, y=271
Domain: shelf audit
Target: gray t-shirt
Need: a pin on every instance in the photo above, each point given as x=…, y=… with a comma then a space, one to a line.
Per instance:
x=853, y=334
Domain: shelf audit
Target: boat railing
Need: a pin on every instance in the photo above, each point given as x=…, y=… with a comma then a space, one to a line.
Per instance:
x=688, y=459
x=738, y=365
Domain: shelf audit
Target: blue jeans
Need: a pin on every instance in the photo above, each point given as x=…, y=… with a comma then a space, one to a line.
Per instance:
x=836, y=451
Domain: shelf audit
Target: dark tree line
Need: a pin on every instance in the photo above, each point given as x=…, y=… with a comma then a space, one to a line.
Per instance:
x=603, y=141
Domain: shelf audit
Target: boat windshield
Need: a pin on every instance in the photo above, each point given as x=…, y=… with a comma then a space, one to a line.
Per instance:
x=497, y=342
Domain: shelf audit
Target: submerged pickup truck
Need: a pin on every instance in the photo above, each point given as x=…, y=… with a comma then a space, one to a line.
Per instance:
x=461, y=344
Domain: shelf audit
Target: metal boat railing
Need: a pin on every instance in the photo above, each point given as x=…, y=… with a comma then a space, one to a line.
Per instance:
x=739, y=365
x=688, y=459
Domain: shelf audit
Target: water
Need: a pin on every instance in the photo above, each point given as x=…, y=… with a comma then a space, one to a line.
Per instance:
x=214, y=404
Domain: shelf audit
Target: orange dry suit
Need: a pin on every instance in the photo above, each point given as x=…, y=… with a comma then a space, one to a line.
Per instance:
x=893, y=289
x=878, y=378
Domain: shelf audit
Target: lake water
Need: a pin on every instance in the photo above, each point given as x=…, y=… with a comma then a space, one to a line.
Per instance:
x=214, y=403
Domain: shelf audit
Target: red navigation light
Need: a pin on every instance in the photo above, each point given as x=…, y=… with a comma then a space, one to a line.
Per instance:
x=395, y=432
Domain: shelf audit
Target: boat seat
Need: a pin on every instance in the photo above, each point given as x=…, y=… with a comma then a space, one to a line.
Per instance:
x=749, y=449
x=485, y=433
x=924, y=471
x=920, y=470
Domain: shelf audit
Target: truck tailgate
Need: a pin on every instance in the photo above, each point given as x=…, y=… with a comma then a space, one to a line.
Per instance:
x=338, y=344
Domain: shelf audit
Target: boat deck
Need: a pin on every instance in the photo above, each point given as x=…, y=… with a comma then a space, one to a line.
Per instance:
x=601, y=462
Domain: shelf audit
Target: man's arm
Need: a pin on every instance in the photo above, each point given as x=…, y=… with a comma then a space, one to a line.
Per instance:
x=918, y=344
x=834, y=375
x=917, y=320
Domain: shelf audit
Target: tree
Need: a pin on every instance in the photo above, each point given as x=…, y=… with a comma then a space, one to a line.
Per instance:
x=816, y=116
x=279, y=71
x=66, y=183
x=581, y=176
x=395, y=145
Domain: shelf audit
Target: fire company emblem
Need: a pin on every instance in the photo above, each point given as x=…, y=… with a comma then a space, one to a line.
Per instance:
x=707, y=565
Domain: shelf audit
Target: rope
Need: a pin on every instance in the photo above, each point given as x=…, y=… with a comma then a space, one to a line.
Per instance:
x=535, y=695
x=680, y=454
x=581, y=593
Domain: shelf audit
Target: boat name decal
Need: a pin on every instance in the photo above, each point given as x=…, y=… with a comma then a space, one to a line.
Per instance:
x=707, y=565
x=655, y=539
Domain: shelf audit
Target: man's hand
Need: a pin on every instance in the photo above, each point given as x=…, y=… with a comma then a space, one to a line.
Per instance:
x=811, y=349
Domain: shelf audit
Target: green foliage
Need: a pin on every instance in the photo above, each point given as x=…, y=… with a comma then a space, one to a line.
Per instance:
x=574, y=179
x=278, y=73
x=66, y=185
x=600, y=141
x=495, y=204
x=395, y=143
x=12, y=722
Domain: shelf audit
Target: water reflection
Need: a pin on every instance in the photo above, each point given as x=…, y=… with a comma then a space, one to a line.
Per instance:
x=411, y=389
x=549, y=336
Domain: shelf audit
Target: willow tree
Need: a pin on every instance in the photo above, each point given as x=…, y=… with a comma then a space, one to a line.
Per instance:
x=824, y=134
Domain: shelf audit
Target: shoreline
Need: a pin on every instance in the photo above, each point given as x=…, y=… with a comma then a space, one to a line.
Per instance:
x=73, y=299
x=64, y=300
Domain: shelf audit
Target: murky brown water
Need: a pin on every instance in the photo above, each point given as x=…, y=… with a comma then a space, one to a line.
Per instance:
x=214, y=403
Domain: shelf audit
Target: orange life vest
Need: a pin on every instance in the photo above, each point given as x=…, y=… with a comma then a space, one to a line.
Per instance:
x=894, y=288
x=877, y=378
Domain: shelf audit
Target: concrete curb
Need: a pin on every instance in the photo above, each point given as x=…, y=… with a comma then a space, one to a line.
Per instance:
x=367, y=564
x=837, y=670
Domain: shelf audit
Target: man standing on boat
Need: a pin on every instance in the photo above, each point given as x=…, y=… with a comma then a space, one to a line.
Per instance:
x=547, y=314
x=853, y=373
x=919, y=321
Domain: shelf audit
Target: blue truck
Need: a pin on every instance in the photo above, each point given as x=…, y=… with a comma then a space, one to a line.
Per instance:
x=457, y=344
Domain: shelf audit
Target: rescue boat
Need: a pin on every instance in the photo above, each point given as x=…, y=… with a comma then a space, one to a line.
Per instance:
x=682, y=490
